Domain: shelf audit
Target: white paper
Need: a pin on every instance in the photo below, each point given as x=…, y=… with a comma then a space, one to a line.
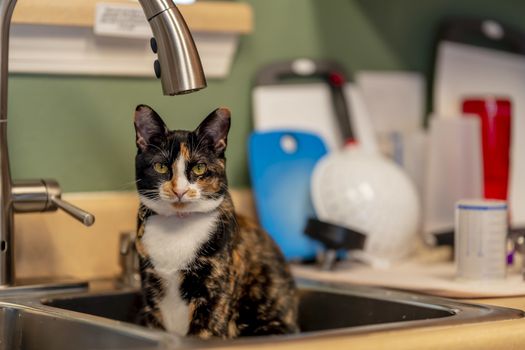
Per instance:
x=121, y=20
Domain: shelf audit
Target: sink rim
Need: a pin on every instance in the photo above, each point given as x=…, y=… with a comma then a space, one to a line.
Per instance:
x=34, y=306
x=461, y=313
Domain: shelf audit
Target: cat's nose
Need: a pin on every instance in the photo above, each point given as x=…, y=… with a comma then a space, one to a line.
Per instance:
x=180, y=193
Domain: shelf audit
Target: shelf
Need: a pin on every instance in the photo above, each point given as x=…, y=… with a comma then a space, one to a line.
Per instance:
x=203, y=16
x=57, y=37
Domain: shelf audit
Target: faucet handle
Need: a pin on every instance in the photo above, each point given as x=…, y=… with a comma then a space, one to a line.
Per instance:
x=54, y=201
x=83, y=216
x=45, y=195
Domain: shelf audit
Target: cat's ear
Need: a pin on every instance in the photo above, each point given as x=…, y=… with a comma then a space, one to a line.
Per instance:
x=148, y=125
x=215, y=129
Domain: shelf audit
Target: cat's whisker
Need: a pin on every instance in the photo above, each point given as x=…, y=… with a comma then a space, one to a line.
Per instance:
x=162, y=151
x=155, y=199
x=149, y=194
x=199, y=145
x=128, y=185
x=147, y=191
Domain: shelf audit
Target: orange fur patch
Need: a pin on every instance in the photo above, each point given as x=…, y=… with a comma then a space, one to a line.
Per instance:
x=209, y=185
x=184, y=151
x=168, y=187
x=173, y=182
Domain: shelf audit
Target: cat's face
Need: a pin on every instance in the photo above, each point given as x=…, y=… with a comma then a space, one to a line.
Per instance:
x=181, y=172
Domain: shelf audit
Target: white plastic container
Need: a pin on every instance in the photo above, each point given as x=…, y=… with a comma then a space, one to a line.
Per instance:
x=480, y=239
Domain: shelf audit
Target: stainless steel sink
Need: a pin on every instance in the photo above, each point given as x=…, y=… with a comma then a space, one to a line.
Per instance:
x=109, y=319
x=319, y=310
x=323, y=308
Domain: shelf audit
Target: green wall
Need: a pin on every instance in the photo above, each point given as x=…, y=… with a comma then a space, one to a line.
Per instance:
x=79, y=129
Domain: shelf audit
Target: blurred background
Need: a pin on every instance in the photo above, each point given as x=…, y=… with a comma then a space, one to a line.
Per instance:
x=78, y=129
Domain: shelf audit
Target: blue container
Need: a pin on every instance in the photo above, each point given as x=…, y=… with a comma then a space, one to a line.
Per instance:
x=281, y=166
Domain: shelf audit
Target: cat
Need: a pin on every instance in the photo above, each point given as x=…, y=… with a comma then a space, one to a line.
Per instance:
x=205, y=271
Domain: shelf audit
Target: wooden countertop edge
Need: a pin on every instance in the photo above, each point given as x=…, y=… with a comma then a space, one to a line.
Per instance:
x=203, y=16
x=507, y=334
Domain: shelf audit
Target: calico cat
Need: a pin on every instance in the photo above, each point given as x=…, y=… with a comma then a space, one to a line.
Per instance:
x=205, y=271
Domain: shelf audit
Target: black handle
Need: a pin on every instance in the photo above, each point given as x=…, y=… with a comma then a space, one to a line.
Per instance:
x=482, y=32
x=334, y=237
x=340, y=104
x=476, y=32
x=279, y=72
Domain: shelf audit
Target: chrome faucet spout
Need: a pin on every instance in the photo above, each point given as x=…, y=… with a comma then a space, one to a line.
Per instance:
x=178, y=66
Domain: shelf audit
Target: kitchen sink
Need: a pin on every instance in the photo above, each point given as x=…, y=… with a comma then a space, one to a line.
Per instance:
x=318, y=310
x=323, y=308
x=110, y=319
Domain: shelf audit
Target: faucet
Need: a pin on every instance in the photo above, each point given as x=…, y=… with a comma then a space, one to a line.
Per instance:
x=129, y=261
x=180, y=70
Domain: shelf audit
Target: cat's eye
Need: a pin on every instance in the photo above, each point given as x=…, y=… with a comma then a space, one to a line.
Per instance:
x=199, y=169
x=160, y=168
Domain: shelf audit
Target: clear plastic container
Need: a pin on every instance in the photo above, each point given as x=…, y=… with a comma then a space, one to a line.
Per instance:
x=454, y=171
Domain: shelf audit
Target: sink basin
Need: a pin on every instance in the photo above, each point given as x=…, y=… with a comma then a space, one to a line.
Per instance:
x=26, y=328
x=324, y=309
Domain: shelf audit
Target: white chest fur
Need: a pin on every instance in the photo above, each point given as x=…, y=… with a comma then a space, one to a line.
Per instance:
x=174, y=310
x=172, y=242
